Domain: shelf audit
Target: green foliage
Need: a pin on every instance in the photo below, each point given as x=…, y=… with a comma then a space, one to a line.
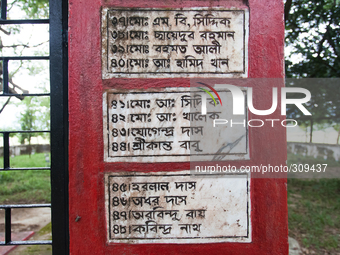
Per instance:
x=34, y=8
x=35, y=115
x=325, y=100
x=313, y=36
x=313, y=33
x=27, y=120
x=324, y=104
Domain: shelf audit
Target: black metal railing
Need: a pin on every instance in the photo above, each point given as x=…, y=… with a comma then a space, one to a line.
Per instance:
x=6, y=146
x=59, y=126
x=6, y=134
x=8, y=228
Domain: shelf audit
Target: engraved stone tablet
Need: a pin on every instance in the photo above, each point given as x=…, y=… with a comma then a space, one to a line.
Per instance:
x=167, y=125
x=174, y=207
x=174, y=43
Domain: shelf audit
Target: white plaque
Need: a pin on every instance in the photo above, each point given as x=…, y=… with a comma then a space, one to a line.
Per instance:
x=204, y=42
x=167, y=125
x=174, y=207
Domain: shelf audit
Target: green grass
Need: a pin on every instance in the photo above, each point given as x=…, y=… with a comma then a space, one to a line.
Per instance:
x=314, y=209
x=25, y=186
x=35, y=160
x=39, y=249
x=46, y=230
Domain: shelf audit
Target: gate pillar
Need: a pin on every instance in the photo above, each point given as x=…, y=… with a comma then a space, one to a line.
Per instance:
x=158, y=137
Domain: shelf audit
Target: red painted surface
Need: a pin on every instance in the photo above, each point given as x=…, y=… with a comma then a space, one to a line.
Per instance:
x=86, y=166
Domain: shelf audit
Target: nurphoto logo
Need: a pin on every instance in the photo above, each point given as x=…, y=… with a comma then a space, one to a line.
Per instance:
x=238, y=100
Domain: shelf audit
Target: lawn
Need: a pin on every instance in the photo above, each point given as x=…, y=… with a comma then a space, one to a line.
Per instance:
x=314, y=209
x=25, y=186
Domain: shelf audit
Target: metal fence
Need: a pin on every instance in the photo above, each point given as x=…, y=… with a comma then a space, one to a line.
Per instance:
x=59, y=127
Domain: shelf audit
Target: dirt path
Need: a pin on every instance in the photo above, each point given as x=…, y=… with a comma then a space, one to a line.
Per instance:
x=26, y=219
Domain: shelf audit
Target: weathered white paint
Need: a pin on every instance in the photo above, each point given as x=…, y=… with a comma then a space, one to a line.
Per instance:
x=174, y=43
x=174, y=207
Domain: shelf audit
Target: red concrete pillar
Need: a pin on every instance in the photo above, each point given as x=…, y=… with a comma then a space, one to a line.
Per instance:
x=117, y=62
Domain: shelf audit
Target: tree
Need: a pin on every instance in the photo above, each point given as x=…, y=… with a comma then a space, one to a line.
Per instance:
x=35, y=115
x=32, y=9
x=324, y=104
x=27, y=122
x=313, y=33
x=313, y=36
